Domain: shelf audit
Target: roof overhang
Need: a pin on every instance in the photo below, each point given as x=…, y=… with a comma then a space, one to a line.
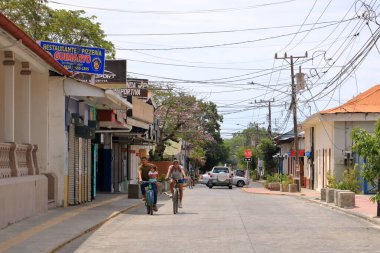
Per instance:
x=94, y=96
x=25, y=47
x=137, y=123
x=115, y=126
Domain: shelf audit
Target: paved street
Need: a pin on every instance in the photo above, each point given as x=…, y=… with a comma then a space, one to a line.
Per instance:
x=223, y=220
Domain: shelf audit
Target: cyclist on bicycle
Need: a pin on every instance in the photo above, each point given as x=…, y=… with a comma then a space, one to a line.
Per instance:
x=192, y=175
x=143, y=172
x=176, y=172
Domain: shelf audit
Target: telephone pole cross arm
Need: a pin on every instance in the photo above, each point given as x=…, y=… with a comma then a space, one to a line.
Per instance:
x=269, y=115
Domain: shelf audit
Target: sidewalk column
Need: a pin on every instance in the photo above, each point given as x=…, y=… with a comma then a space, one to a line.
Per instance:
x=9, y=97
x=26, y=102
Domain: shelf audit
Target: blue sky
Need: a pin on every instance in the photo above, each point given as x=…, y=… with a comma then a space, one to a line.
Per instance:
x=329, y=30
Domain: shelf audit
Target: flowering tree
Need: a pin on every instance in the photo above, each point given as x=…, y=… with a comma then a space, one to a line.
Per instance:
x=182, y=117
x=368, y=147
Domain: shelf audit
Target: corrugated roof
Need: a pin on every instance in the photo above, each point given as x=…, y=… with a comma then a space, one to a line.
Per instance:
x=366, y=102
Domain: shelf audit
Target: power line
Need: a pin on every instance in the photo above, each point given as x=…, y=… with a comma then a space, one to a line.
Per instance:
x=217, y=32
x=166, y=12
x=225, y=44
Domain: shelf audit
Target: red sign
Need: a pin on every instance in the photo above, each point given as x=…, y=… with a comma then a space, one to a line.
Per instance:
x=133, y=151
x=300, y=153
x=247, y=153
x=138, y=154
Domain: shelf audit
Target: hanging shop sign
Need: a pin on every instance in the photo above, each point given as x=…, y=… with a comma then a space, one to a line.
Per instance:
x=76, y=58
x=135, y=87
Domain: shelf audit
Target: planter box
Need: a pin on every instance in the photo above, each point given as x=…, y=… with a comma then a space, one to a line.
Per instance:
x=346, y=199
x=274, y=186
x=134, y=191
x=330, y=195
x=292, y=187
x=336, y=195
x=323, y=194
x=284, y=187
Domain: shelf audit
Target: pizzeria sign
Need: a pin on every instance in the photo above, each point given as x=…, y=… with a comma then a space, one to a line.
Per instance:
x=77, y=58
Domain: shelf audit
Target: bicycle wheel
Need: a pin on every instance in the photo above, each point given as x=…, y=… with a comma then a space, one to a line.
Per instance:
x=175, y=201
x=149, y=204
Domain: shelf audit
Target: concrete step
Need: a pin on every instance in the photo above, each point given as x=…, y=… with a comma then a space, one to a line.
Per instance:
x=51, y=204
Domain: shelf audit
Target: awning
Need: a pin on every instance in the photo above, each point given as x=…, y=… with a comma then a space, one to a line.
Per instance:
x=94, y=96
x=137, y=123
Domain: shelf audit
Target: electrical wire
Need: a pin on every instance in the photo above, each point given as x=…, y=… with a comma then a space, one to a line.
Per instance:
x=205, y=11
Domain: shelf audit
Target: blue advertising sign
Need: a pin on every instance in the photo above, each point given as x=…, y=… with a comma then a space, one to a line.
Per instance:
x=77, y=58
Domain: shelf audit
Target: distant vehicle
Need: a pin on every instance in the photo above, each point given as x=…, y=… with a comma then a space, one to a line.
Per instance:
x=239, y=173
x=239, y=181
x=220, y=176
x=203, y=179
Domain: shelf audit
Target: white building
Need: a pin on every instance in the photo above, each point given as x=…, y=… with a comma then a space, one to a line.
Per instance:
x=328, y=135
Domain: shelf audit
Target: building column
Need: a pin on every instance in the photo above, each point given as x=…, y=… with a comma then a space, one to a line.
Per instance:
x=9, y=97
x=26, y=102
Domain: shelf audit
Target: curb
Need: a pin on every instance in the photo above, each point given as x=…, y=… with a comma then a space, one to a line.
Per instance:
x=342, y=210
x=92, y=228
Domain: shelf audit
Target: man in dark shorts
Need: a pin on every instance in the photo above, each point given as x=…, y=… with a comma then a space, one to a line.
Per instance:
x=143, y=171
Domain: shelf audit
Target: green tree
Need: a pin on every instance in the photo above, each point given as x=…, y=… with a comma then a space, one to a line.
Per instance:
x=62, y=26
x=267, y=150
x=367, y=146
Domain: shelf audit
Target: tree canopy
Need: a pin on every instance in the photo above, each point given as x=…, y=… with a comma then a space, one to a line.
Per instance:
x=184, y=117
x=62, y=26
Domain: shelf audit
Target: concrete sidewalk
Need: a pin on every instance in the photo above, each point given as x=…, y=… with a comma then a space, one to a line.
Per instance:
x=48, y=231
x=364, y=208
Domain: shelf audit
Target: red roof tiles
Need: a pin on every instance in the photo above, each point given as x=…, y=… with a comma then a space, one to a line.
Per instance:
x=366, y=102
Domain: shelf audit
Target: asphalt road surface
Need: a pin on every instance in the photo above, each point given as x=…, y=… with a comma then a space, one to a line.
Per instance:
x=223, y=220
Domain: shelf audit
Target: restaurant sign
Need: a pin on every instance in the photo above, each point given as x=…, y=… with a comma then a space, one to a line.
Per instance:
x=76, y=58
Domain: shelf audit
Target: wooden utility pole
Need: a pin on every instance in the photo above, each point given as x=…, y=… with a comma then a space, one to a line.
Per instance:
x=269, y=115
x=294, y=107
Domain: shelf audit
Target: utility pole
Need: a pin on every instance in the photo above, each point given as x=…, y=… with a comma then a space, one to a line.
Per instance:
x=269, y=115
x=294, y=107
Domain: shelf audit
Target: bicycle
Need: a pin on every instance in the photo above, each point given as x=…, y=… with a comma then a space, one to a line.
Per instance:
x=190, y=183
x=149, y=198
x=175, y=197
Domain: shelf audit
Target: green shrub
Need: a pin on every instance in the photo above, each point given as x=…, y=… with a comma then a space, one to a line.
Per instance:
x=162, y=178
x=331, y=180
x=350, y=181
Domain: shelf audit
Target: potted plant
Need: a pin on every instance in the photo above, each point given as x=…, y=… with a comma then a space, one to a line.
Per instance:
x=292, y=187
x=284, y=184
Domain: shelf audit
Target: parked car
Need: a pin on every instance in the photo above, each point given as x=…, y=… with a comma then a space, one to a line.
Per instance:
x=203, y=179
x=240, y=181
x=220, y=176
